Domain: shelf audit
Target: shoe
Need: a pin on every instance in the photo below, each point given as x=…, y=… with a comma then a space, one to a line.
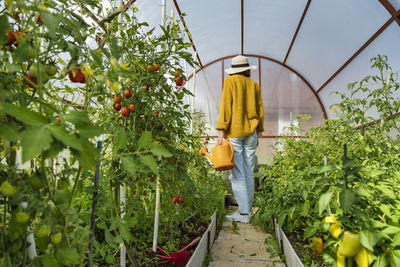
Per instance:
x=237, y=217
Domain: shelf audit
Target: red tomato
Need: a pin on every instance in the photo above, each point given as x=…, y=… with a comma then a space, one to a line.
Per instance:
x=11, y=39
x=77, y=76
x=180, y=199
x=117, y=106
x=147, y=87
x=179, y=81
x=132, y=107
x=127, y=93
x=32, y=80
x=117, y=98
x=175, y=200
x=125, y=112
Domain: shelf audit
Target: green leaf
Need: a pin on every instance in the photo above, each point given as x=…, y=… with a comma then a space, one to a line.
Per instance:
x=120, y=138
x=396, y=240
x=88, y=155
x=395, y=259
x=50, y=21
x=151, y=163
x=65, y=137
x=381, y=261
x=77, y=117
x=145, y=139
x=386, y=210
x=125, y=233
x=68, y=256
x=387, y=191
x=369, y=239
x=327, y=168
x=89, y=130
x=324, y=201
x=160, y=150
x=21, y=53
x=346, y=199
x=13, y=67
x=4, y=28
x=115, y=49
x=34, y=140
x=49, y=261
x=129, y=165
x=23, y=114
x=8, y=132
x=391, y=230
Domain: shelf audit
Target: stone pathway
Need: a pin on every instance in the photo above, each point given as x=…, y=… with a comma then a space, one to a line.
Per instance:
x=243, y=247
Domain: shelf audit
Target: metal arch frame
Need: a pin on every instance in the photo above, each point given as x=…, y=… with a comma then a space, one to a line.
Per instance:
x=269, y=59
x=395, y=17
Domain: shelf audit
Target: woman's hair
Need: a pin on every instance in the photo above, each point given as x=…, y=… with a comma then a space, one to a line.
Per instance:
x=244, y=73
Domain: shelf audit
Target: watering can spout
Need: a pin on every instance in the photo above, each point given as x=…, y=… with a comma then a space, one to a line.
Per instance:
x=204, y=151
x=222, y=156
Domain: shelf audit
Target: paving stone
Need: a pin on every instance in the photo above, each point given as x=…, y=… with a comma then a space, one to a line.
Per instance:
x=245, y=248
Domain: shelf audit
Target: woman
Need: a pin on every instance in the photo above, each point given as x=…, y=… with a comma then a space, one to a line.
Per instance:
x=241, y=118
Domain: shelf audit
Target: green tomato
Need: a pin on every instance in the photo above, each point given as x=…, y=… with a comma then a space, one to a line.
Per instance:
x=56, y=238
x=62, y=184
x=21, y=217
x=51, y=70
x=43, y=231
x=8, y=189
x=36, y=182
x=37, y=70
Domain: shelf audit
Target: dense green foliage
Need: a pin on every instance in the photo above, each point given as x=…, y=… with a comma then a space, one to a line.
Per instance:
x=361, y=189
x=58, y=96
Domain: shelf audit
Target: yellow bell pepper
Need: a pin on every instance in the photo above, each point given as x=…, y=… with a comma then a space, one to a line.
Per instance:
x=363, y=257
x=335, y=230
x=330, y=219
x=350, y=244
x=318, y=245
x=340, y=261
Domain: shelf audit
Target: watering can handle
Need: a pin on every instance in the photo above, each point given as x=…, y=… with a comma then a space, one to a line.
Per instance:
x=232, y=154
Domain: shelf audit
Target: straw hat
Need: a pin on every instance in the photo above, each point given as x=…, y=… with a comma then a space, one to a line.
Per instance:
x=240, y=63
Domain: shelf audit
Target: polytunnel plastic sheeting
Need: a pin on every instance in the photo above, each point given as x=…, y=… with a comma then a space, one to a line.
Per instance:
x=361, y=66
x=208, y=94
x=331, y=33
x=285, y=96
x=150, y=12
x=270, y=25
x=395, y=4
x=215, y=27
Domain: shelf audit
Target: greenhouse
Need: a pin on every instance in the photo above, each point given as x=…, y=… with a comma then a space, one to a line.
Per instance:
x=199, y=133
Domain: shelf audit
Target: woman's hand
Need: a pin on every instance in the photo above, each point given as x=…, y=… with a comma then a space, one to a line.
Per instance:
x=220, y=137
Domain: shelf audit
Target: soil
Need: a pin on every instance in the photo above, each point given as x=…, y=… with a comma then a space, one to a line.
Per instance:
x=200, y=229
x=304, y=251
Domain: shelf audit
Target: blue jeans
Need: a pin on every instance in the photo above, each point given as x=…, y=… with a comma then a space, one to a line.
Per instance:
x=242, y=176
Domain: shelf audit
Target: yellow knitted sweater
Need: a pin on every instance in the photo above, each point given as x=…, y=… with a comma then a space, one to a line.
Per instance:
x=241, y=109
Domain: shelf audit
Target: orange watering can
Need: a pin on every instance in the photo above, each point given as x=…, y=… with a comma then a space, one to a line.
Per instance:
x=222, y=156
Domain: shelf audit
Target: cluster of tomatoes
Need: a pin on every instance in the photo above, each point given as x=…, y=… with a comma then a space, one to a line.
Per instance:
x=125, y=111
x=179, y=80
x=155, y=67
x=176, y=200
